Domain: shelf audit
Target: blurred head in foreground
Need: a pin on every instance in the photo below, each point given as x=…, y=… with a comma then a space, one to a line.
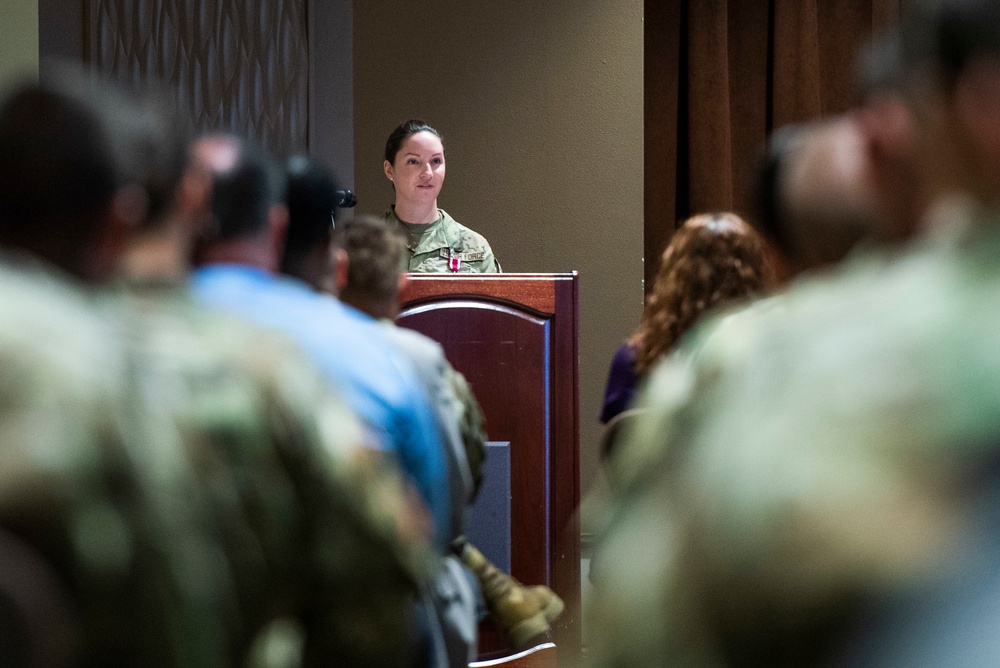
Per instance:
x=311, y=197
x=950, y=55
x=66, y=194
x=814, y=203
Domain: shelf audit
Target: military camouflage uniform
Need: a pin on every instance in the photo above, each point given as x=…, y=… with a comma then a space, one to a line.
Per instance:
x=457, y=414
x=73, y=494
x=445, y=246
x=819, y=453
x=311, y=544
x=456, y=595
x=471, y=427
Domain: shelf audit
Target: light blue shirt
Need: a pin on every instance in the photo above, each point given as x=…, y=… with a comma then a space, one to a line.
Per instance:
x=353, y=352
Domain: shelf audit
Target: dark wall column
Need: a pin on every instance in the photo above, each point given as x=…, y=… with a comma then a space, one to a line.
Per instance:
x=331, y=86
x=61, y=29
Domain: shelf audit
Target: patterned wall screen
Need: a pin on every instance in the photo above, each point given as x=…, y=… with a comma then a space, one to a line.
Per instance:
x=237, y=65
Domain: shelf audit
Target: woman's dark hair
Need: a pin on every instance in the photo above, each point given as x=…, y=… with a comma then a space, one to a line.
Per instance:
x=713, y=259
x=400, y=134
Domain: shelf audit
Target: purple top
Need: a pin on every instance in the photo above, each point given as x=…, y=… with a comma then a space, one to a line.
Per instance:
x=622, y=383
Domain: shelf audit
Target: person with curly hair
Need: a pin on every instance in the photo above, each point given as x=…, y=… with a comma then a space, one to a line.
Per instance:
x=713, y=259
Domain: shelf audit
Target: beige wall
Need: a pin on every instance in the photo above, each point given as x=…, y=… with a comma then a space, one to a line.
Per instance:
x=18, y=39
x=540, y=104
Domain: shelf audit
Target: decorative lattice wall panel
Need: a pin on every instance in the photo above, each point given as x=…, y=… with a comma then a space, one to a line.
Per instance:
x=237, y=65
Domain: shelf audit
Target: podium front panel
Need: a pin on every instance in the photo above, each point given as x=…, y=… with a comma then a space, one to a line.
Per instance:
x=514, y=338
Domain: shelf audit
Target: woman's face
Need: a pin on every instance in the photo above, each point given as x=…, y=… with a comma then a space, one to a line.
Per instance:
x=418, y=172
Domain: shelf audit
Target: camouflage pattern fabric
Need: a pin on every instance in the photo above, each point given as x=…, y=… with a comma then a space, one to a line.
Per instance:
x=72, y=492
x=457, y=412
x=314, y=537
x=805, y=459
x=471, y=427
x=445, y=246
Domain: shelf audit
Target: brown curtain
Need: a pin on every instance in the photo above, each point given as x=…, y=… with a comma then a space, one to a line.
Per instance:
x=720, y=75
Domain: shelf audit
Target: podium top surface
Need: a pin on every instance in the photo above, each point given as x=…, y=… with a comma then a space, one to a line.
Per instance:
x=538, y=291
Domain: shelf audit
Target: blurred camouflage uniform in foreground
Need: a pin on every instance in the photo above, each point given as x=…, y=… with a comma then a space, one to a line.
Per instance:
x=313, y=541
x=214, y=493
x=317, y=555
x=175, y=490
x=806, y=460
x=70, y=490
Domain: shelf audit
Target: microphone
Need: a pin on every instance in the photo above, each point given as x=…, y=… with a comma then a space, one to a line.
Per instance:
x=346, y=199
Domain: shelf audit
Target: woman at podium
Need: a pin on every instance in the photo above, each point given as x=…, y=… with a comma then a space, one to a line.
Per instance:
x=436, y=242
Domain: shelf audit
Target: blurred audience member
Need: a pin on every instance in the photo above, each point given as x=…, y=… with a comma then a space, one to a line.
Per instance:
x=814, y=203
x=375, y=254
x=242, y=255
x=312, y=257
x=309, y=254
x=178, y=490
x=92, y=577
x=824, y=186
x=826, y=488
x=311, y=544
x=370, y=257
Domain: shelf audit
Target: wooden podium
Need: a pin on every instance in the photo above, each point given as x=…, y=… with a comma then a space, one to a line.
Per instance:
x=514, y=337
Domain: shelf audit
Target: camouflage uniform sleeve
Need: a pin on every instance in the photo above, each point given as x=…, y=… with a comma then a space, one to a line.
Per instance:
x=633, y=555
x=471, y=247
x=491, y=265
x=471, y=426
x=805, y=486
x=644, y=606
x=488, y=263
x=363, y=553
x=71, y=490
x=313, y=553
x=641, y=603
